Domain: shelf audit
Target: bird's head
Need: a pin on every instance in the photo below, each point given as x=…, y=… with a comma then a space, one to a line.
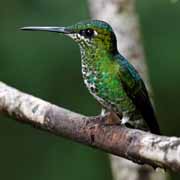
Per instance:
x=88, y=34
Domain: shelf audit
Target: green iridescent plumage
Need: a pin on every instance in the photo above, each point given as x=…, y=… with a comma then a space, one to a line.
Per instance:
x=110, y=78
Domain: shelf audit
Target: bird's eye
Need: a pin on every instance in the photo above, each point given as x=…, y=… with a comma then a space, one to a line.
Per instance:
x=88, y=33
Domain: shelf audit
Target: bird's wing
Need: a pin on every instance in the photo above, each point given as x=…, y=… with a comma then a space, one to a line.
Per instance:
x=136, y=91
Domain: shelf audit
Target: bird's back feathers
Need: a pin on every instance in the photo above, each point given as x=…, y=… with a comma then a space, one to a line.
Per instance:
x=136, y=91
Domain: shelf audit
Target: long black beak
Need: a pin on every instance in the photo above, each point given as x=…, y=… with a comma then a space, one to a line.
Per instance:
x=63, y=30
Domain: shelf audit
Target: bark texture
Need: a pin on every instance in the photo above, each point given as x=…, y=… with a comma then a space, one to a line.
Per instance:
x=122, y=16
x=135, y=145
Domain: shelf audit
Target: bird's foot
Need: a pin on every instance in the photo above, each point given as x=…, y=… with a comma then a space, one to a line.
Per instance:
x=110, y=119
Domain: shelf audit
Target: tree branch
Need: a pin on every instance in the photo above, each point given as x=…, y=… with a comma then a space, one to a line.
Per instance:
x=135, y=145
x=122, y=16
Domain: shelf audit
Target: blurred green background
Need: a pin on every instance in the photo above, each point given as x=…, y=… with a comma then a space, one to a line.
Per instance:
x=48, y=66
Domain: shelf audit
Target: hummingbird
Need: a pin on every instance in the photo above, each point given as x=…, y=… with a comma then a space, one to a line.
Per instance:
x=108, y=75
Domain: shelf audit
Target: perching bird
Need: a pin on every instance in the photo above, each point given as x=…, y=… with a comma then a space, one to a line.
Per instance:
x=109, y=77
